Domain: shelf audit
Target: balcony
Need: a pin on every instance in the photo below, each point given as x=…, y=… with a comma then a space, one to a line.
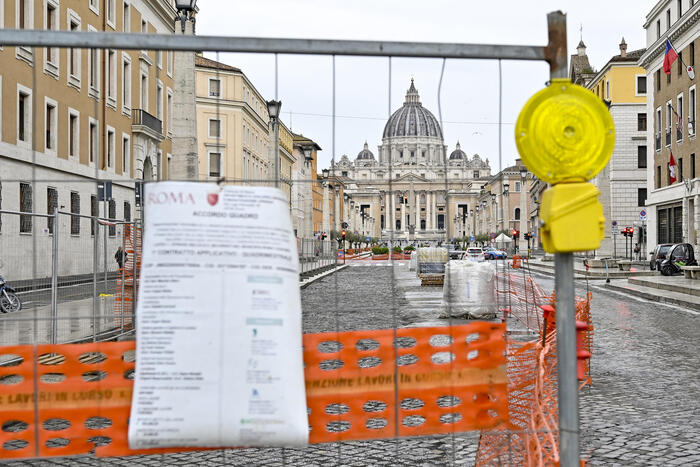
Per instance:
x=143, y=122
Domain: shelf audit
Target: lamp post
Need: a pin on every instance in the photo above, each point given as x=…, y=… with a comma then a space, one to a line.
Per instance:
x=184, y=164
x=185, y=11
x=523, y=207
x=505, y=205
x=273, y=110
x=477, y=227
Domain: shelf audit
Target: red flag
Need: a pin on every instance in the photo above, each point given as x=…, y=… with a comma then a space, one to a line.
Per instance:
x=672, y=169
x=670, y=57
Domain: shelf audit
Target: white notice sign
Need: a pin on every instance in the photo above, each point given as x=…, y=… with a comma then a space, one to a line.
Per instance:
x=219, y=357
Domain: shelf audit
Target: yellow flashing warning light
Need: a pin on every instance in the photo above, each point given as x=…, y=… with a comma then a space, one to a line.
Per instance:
x=565, y=133
x=572, y=218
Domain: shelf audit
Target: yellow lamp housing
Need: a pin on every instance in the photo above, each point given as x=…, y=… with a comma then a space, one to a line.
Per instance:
x=572, y=218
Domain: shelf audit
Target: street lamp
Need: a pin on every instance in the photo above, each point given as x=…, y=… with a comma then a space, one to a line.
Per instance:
x=273, y=110
x=185, y=11
x=523, y=208
x=325, y=173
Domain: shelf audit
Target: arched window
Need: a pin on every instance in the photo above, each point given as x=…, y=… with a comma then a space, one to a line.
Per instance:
x=517, y=214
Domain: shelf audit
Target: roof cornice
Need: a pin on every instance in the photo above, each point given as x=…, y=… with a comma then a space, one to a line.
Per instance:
x=679, y=28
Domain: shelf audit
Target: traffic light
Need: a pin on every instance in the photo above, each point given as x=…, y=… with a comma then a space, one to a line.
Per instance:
x=516, y=234
x=323, y=235
x=343, y=234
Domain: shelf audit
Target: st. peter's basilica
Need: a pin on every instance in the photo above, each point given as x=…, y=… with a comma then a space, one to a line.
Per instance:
x=411, y=187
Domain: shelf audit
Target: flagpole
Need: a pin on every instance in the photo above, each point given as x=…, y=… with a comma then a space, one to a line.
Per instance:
x=689, y=70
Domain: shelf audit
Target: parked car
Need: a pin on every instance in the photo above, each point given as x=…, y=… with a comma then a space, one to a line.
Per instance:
x=658, y=255
x=679, y=255
x=475, y=254
x=492, y=253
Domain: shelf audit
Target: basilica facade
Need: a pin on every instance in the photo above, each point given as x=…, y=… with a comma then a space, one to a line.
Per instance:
x=412, y=191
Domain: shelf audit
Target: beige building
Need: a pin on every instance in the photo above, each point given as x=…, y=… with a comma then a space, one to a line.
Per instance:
x=287, y=160
x=72, y=116
x=232, y=124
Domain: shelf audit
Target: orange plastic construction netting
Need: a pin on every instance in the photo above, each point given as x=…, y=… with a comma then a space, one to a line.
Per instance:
x=70, y=399
x=531, y=436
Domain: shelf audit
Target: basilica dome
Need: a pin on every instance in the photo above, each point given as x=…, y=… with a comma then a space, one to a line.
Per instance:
x=365, y=154
x=458, y=154
x=412, y=119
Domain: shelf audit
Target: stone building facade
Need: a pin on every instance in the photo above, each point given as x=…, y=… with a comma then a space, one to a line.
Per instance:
x=413, y=191
x=673, y=208
x=621, y=84
x=72, y=117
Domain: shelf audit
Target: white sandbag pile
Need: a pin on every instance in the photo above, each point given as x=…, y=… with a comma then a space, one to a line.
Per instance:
x=470, y=290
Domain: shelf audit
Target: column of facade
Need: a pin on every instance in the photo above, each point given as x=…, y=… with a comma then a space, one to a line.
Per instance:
x=337, y=221
x=403, y=215
x=428, y=225
x=416, y=210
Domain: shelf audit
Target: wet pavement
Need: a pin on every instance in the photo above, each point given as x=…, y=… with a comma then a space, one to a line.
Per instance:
x=641, y=410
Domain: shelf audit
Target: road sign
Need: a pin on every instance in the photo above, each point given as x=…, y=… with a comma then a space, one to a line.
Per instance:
x=614, y=223
x=367, y=239
x=642, y=215
x=614, y=228
x=493, y=235
x=471, y=239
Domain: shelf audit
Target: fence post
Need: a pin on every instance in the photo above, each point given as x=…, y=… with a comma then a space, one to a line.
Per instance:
x=54, y=279
x=95, y=304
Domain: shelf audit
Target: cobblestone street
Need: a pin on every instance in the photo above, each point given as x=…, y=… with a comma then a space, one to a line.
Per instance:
x=641, y=410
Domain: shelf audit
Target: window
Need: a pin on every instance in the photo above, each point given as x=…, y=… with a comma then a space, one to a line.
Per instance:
x=126, y=18
x=641, y=157
x=476, y=174
x=679, y=119
x=110, y=147
x=25, y=205
x=75, y=210
x=51, y=23
x=111, y=12
x=214, y=87
x=73, y=133
x=127, y=211
x=679, y=169
x=641, y=85
x=144, y=92
x=94, y=69
x=94, y=212
x=658, y=80
x=516, y=215
x=74, y=55
x=680, y=11
x=691, y=111
x=517, y=187
x=641, y=196
x=668, y=18
x=51, y=206
x=24, y=112
x=642, y=122
x=95, y=6
x=111, y=76
x=92, y=141
x=691, y=52
x=159, y=101
x=215, y=164
x=658, y=176
x=171, y=59
x=692, y=166
x=214, y=128
x=112, y=206
x=169, y=111
x=681, y=65
x=50, y=126
x=126, y=83
x=126, y=150
x=658, y=28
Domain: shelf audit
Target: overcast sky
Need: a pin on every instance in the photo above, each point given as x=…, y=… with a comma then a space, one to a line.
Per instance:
x=470, y=87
